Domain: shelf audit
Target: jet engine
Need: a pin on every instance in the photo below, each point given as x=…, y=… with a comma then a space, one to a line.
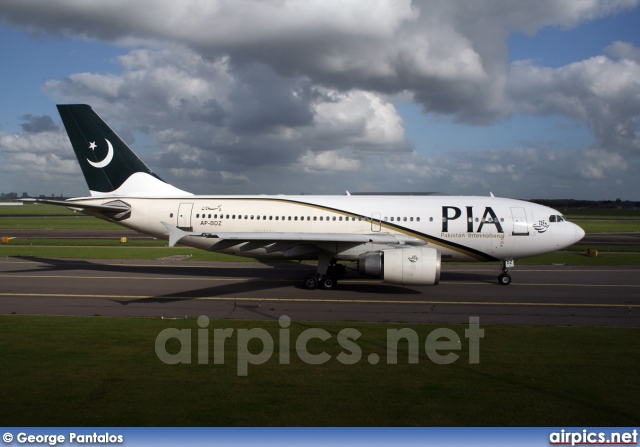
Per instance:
x=415, y=266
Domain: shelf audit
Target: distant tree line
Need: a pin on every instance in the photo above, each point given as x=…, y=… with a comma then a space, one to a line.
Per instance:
x=598, y=204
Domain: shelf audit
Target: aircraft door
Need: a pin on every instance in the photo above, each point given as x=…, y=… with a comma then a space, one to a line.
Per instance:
x=184, y=216
x=520, y=223
x=375, y=222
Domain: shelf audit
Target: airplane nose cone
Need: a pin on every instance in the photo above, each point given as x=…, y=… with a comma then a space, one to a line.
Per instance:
x=578, y=233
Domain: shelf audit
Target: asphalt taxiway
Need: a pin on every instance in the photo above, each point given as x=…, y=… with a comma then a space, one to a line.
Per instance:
x=539, y=295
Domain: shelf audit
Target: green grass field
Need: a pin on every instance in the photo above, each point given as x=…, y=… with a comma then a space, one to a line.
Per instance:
x=600, y=214
x=104, y=372
x=35, y=209
x=79, y=221
x=609, y=226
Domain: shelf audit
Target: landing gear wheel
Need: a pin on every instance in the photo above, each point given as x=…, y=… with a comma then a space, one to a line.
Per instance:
x=504, y=279
x=311, y=282
x=328, y=283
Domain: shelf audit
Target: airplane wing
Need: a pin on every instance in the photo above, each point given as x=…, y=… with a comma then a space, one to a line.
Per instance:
x=256, y=240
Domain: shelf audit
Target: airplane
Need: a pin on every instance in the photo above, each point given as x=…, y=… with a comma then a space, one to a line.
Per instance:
x=400, y=238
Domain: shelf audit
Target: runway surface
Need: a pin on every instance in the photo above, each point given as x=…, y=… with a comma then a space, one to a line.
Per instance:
x=541, y=295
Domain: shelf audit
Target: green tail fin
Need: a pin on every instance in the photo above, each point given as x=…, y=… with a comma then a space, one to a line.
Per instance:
x=109, y=166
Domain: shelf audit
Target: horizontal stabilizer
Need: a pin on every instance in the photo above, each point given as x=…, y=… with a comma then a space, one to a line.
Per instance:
x=120, y=207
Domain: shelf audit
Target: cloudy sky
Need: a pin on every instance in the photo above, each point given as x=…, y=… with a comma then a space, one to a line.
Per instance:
x=525, y=99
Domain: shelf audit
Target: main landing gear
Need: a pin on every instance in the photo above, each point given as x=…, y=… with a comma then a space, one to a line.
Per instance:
x=505, y=279
x=327, y=280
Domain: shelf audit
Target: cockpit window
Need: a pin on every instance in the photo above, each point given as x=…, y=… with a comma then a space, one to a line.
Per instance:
x=556, y=218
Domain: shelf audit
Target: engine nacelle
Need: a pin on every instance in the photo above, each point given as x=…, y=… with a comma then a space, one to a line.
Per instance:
x=415, y=266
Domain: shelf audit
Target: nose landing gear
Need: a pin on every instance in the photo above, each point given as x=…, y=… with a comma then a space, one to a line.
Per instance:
x=505, y=279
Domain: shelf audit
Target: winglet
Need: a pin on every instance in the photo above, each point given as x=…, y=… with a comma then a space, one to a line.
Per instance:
x=175, y=234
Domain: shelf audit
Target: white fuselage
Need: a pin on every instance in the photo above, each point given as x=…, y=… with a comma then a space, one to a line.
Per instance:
x=460, y=227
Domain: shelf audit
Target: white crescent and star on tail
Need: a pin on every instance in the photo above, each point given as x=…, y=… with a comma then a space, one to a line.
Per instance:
x=107, y=159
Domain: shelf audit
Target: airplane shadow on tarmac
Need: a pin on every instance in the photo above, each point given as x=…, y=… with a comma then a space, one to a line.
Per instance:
x=262, y=277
